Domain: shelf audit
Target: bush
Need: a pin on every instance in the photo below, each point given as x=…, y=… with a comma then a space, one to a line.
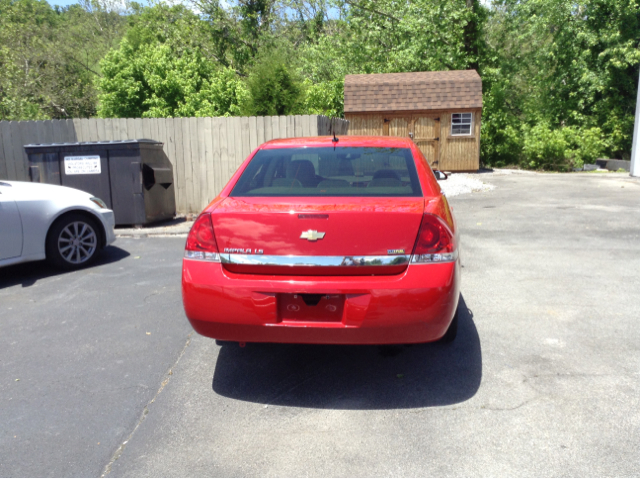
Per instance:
x=562, y=148
x=500, y=145
x=325, y=98
x=501, y=129
x=544, y=148
x=273, y=89
x=153, y=81
x=222, y=94
x=587, y=145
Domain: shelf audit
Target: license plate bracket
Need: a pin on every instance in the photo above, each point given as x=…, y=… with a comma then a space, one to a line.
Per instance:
x=297, y=307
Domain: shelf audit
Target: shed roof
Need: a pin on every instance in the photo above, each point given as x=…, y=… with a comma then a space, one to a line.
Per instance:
x=412, y=91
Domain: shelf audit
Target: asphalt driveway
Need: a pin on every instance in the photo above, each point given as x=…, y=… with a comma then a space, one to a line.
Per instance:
x=100, y=372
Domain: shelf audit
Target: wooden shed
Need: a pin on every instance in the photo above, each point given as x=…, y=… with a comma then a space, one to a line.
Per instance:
x=440, y=110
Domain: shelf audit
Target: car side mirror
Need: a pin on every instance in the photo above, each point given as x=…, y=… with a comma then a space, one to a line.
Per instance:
x=440, y=175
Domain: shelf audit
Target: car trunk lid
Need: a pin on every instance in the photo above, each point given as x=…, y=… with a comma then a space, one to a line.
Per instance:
x=322, y=236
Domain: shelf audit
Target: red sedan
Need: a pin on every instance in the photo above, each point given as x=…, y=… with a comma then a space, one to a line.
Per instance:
x=326, y=240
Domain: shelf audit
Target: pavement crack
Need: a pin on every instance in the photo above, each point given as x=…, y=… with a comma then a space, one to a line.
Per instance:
x=145, y=411
x=290, y=389
x=155, y=293
x=513, y=408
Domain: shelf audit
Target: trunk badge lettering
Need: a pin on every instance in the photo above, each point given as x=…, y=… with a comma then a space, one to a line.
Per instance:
x=311, y=235
x=395, y=251
x=244, y=250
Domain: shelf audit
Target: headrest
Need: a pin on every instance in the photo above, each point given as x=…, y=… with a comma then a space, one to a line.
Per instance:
x=302, y=170
x=345, y=168
x=386, y=174
x=333, y=184
x=286, y=183
x=384, y=182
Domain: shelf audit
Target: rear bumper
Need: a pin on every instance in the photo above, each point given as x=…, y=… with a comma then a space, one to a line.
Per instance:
x=416, y=306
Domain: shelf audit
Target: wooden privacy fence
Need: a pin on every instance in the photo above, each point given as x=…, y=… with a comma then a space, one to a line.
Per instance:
x=204, y=152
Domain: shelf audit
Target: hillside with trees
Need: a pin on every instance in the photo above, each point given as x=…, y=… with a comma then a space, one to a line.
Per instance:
x=559, y=77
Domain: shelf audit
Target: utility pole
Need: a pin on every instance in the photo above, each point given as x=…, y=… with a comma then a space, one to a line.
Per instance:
x=635, y=146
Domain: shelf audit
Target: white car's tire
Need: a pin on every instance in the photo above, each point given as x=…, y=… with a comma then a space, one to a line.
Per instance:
x=73, y=241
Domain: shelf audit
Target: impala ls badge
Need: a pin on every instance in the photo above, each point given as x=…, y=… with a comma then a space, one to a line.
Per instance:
x=311, y=235
x=243, y=251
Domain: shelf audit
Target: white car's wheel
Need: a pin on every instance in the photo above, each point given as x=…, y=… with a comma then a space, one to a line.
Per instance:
x=73, y=241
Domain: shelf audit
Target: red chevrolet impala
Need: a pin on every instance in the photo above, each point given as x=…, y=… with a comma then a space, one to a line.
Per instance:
x=325, y=240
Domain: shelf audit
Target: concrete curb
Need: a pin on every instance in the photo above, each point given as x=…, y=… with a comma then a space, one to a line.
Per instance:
x=151, y=235
x=178, y=227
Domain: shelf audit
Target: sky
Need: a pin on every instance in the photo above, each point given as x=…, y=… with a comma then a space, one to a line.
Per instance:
x=61, y=3
x=66, y=3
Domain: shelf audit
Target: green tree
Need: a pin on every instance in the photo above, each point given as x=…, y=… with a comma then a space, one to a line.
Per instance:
x=273, y=88
x=421, y=35
x=26, y=29
x=167, y=66
x=564, y=66
x=324, y=98
x=239, y=29
x=152, y=81
x=174, y=25
x=223, y=94
x=49, y=57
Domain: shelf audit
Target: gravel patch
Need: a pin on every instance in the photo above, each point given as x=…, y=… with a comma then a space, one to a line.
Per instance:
x=463, y=183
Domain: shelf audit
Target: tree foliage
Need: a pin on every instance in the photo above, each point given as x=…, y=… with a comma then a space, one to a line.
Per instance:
x=559, y=76
x=273, y=88
x=563, y=67
x=164, y=68
x=239, y=29
x=49, y=58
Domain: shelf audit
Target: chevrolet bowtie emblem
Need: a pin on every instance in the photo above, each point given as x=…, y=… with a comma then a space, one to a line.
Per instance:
x=311, y=235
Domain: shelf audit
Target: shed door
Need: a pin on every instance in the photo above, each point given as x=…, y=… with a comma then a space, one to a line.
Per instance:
x=424, y=130
x=426, y=134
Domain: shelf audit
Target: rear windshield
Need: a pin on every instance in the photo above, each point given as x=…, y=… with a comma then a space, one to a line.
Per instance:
x=328, y=171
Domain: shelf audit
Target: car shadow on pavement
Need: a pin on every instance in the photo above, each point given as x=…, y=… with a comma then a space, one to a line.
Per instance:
x=354, y=377
x=27, y=274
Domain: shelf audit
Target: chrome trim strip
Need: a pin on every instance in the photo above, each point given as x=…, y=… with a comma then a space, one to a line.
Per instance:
x=202, y=256
x=434, y=258
x=276, y=260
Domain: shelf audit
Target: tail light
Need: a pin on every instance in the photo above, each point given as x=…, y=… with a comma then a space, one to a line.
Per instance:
x=436, y=243
x=201, y=242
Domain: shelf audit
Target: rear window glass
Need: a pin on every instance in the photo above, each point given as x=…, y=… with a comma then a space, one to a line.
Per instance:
x=327, y=171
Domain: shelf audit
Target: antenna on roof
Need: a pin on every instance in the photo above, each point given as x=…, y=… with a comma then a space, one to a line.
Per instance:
x=333, y=131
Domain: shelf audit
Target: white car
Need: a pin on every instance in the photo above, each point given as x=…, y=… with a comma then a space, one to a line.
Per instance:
x=63, y=225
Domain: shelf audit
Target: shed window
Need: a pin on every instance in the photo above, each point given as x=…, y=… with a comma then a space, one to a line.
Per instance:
x=461, y=123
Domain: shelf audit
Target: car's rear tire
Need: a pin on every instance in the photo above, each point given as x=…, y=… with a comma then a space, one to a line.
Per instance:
x=73, y=241
x=452, y=332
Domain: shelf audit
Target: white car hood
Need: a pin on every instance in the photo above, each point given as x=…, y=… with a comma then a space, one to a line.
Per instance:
x=22, y=190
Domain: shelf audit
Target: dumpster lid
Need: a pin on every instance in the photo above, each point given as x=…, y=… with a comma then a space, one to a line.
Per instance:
x=110, y=143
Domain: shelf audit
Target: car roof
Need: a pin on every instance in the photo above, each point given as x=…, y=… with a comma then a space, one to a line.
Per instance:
x=343, y=140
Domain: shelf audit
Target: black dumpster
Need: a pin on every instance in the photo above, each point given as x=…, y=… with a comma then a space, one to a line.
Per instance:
x=133, y=177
